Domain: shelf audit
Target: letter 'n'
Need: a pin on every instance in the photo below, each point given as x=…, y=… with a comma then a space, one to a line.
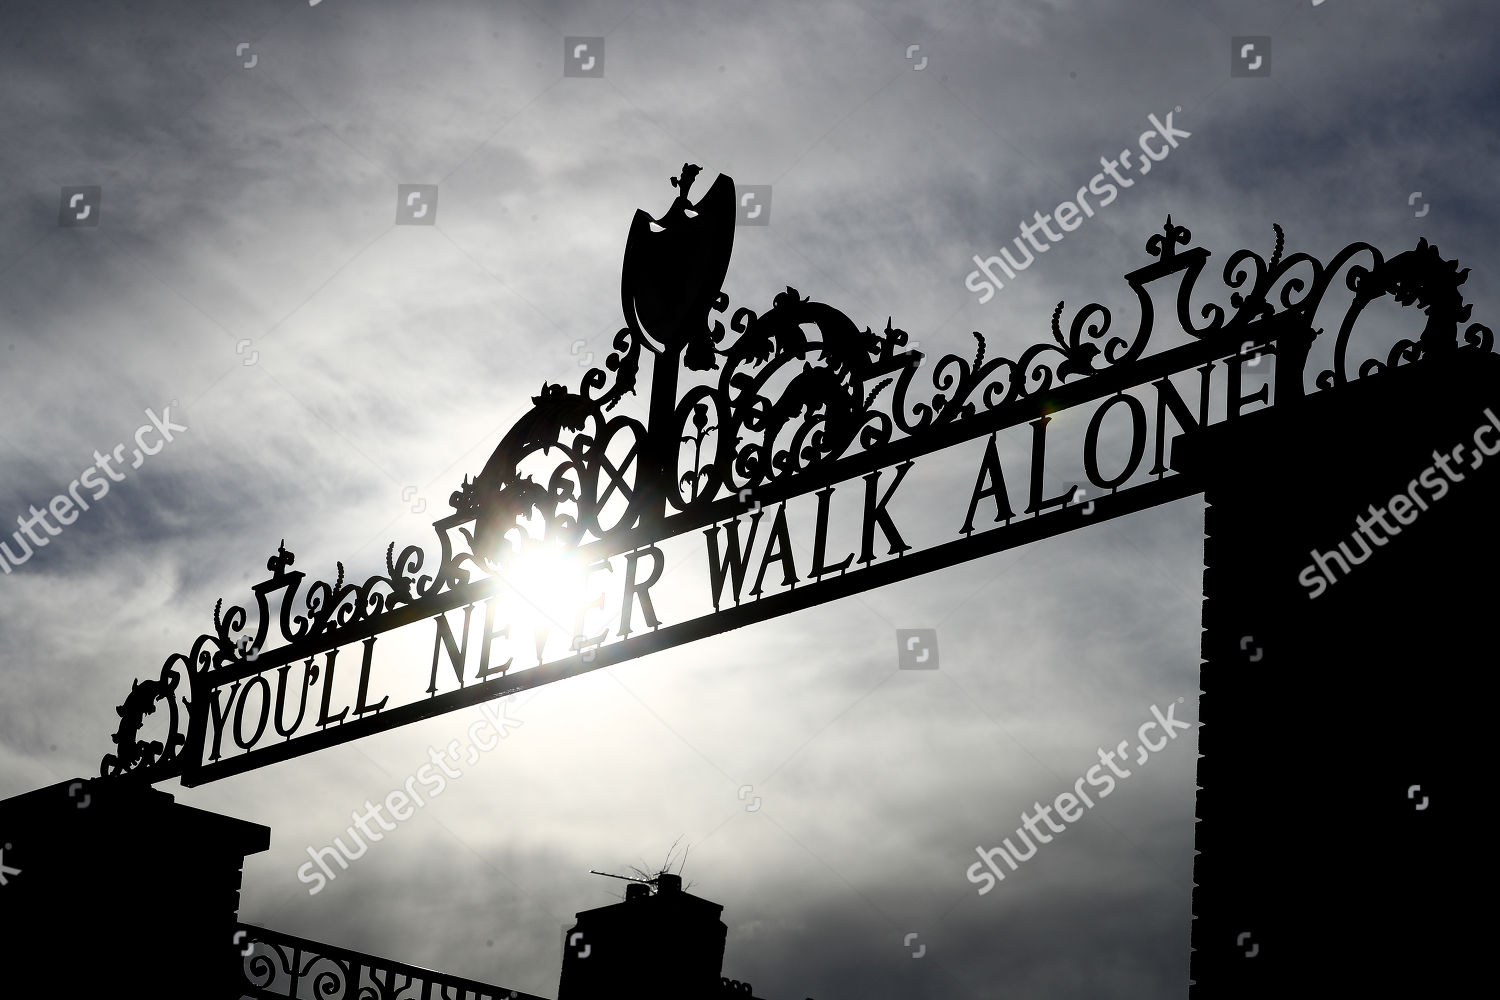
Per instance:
x=457, y=654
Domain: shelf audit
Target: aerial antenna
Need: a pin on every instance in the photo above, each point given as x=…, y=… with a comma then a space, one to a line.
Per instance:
x=627, y=878
x=652, y=878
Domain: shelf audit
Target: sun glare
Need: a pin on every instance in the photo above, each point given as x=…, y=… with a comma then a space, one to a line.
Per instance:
x=548, y=582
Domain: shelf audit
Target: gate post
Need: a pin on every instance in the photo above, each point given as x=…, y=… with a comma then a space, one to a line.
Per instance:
x=1339, y=755
x=113, y=889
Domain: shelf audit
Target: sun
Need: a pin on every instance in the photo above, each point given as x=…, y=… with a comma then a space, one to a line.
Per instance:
x=548, y=581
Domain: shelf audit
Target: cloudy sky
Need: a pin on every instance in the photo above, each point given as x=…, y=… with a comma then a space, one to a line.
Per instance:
x=339, y=374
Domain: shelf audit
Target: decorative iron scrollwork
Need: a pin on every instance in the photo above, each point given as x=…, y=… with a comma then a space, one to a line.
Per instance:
x=277, y=965
x=775, y=396
x=1418, y=277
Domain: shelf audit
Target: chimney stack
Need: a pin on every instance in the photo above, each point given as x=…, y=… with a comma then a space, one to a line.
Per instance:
x=667, y=944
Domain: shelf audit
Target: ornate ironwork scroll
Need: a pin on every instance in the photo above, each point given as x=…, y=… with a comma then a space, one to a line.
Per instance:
x=277, y=966
x=776, y=404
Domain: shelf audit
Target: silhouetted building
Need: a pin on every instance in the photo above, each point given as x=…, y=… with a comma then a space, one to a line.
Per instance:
x=665, y=944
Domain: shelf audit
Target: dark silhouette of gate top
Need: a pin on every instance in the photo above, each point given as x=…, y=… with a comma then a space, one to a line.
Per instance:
x=787, y=402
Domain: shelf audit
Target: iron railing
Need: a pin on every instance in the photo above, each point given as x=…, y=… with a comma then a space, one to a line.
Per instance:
x=279, y=966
